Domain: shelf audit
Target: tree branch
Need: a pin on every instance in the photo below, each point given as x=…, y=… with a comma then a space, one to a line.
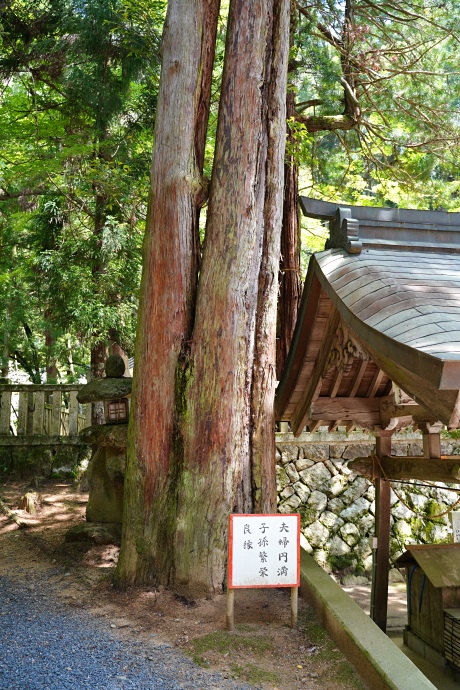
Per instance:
x=329, y=123
x=6, y=196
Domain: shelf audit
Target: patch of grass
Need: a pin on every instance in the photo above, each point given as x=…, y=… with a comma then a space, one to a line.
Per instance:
x=223, y=642
x=255, y=675
x=317, y=634
x=345, y=673
x=244, y=627
x=329, y=652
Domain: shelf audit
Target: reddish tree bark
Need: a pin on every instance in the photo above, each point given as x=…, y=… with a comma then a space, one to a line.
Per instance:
x=290, y=290
x=168, y=290
x=190, y=459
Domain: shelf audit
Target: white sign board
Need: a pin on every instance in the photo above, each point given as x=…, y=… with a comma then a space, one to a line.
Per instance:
x=264, y=551
x=454, y=518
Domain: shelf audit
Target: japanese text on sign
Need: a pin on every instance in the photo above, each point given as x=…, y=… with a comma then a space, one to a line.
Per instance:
x=264, y=551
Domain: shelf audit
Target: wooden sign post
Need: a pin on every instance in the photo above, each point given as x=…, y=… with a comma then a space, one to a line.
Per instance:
x=264, y=551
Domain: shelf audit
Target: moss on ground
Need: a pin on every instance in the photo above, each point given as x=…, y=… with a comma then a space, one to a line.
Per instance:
x=345, y=673
x=224, y=642
x=255, y=675
x=317, y=634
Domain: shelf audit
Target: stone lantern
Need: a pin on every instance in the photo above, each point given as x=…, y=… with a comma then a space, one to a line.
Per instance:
x=107, y=467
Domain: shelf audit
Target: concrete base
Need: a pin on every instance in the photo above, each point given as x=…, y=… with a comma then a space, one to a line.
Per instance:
x=379, y=662
x=431, y=655
x=105, y=483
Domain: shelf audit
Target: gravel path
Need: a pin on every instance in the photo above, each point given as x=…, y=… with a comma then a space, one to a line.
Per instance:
x=44, y=644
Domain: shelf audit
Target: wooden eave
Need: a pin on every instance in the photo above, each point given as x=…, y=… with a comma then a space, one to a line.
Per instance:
x=440, y=562
x=396, y=301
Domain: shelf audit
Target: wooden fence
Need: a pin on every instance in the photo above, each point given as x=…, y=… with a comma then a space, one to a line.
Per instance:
x=41, y=414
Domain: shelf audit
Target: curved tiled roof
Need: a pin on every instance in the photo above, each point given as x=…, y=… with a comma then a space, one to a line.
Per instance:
x=399, y=297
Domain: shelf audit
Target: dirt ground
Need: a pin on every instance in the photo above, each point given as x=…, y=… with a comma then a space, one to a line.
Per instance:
x=263, y=650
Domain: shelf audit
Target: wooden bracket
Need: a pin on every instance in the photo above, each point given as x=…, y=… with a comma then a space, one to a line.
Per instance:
x=344, y=232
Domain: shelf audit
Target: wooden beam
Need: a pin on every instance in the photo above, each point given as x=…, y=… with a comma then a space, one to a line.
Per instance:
x=351, y=426
x=336, y=383
x=390, y=409
x=314, y=426
x=379, y=592
x=376, y=381
x=333, y=425
x=301, y=414
x=358, y=378
x=366, y=410
x=436, y=470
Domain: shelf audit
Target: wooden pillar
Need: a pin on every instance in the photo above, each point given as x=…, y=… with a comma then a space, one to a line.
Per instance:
x=382, y=532
x=431, y=439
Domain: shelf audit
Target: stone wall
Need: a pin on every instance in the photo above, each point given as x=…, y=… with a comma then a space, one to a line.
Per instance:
x=337, y=506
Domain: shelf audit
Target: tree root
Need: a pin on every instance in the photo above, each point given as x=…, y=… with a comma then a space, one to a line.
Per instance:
x=12, y=516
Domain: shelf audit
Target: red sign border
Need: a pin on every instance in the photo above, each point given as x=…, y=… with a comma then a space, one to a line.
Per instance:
x=230, y=550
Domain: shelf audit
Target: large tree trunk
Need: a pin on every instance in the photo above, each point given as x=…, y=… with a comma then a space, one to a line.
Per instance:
x=216, y=477
x=168, y=290
x=189, y=450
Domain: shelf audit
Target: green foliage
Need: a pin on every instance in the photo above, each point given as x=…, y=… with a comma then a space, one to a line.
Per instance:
x=80, y=83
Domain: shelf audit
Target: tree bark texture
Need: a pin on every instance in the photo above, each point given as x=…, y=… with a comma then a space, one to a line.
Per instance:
x=99, y=354
x=168, y=292
x=290, y=279
x=236, y=299
x=117, y=349
x=197, y=367
x=263, y=464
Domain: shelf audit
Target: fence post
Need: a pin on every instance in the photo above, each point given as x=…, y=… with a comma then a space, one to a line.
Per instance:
x=39, y=413
x=22, y=413
x=55, y=429
x=73, y=413
x=5, y=412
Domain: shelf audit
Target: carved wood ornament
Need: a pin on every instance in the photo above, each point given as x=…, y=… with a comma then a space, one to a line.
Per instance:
x=344, y=349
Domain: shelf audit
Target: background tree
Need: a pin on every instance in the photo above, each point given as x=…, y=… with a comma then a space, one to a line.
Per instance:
x=77, y=111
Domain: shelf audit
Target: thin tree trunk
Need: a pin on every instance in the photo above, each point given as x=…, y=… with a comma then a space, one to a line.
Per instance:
x=51, y=368
x=168, y=290
x=6, y=339
x=116, y=349
x=290, y=289
x=8, y=317
x=99, y=354
x=70, y=366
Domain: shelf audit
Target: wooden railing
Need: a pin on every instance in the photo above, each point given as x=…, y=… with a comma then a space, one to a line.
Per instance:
x=41, y=414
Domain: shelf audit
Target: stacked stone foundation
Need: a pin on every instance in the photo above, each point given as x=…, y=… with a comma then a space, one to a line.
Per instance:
x=337, y=507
